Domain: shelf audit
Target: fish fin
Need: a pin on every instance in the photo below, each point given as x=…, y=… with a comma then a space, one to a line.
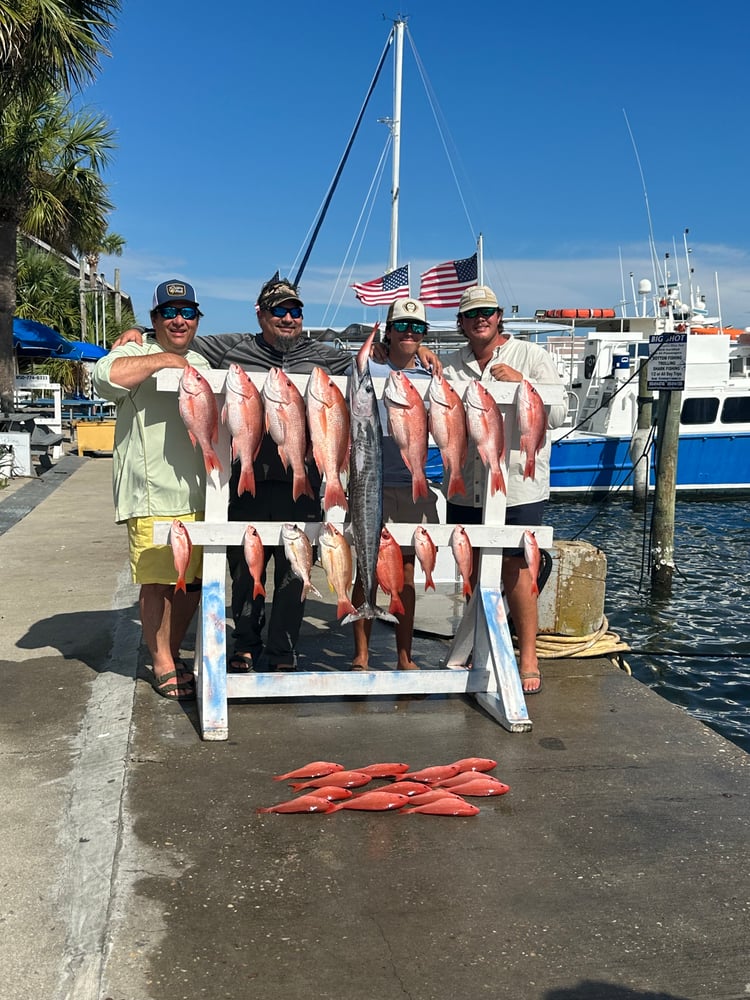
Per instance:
x=363, y=611
x=396, y=606
x=419, y=487
x=429, y=582
x=335, y=495
x=180, y=585
x=247, y=482
x=345, y=607
x=258, y=590
x=384, y=616
x=456, y=485
x=211, y=461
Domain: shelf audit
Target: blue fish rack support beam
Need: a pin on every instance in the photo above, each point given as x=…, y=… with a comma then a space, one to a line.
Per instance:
x=483, y=636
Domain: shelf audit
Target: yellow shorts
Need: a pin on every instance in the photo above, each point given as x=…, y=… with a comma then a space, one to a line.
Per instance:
x=151, y=563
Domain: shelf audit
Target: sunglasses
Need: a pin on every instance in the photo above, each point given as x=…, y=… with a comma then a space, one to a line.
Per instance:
x=485, y=311
x=417, y=328
x=280, y=311
x=172, y=312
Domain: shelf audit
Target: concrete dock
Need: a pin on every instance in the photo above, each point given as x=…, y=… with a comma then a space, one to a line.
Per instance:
x=136, y=867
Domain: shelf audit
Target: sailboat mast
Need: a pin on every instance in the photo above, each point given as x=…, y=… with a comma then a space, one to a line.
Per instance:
x=396, y=139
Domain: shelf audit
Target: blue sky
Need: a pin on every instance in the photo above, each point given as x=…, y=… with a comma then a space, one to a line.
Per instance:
x=230, y=128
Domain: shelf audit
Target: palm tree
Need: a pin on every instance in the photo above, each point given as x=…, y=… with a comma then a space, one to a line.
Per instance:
x=51, y=159
x=46, y=47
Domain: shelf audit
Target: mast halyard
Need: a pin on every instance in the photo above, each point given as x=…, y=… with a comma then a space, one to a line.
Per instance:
x=395, y=126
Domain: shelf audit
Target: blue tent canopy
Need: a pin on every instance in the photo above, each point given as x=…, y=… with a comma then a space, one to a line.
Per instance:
x=37, y=340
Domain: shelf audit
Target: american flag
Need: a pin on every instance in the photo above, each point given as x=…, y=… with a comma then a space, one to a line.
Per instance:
x=443, y=284
x=382, y=291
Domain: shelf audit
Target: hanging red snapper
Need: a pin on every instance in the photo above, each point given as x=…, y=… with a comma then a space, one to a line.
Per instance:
x=389, y=571
x=532, y=421
x=336, y=560
x=200, y=414
x=448, y=427
x=485, y=424
x=533, y=558
x=299, y=552
x=243, y=415
x=252, y=547
x=462, y=553
x=407, y=425
x=328, y=420
x=426, y=551
x=182, y=549
x=286, y=422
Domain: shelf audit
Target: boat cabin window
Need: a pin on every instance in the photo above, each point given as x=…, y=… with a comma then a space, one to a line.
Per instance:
x=701, y=410
x=736, y=410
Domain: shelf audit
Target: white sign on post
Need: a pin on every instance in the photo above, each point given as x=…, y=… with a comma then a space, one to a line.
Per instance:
x=666, y=360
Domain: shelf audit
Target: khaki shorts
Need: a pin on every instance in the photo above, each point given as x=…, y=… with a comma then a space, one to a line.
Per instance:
x=151, y=563
x=399, y=507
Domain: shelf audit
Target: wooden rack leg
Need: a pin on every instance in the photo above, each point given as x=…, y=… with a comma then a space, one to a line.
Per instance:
x=211, y=650
x=493, y=649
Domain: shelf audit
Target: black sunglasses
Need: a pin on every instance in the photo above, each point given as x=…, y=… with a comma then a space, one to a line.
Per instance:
x=280, y=311
x=171, y=312
x=485, y=311
x=417, y=328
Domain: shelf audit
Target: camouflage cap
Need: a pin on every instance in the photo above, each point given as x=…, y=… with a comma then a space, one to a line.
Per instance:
x=276, y=291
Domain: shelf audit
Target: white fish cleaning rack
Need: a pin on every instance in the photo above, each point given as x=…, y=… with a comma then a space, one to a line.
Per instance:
x=483, y=636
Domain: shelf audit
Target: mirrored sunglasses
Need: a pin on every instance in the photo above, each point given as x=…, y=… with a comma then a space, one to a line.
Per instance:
x=485, y=311
x=280, y=311
x=171, y=312
x=417, y=328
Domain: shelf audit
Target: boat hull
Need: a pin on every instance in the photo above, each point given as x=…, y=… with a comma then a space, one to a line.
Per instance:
x=705, y=463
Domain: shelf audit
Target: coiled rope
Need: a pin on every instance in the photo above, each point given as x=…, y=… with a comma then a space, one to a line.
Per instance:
x=601, y=643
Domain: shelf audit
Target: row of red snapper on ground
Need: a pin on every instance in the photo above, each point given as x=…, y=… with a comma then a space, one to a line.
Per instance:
x=439, y=790
x=320, y=421
x=336, y=560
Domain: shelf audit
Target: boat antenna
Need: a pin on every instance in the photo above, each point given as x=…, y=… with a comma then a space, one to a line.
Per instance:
x=342, y=163
x=652, y=242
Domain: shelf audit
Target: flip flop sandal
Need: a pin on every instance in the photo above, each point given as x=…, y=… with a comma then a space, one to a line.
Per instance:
x=240, y=663
x=167, y=686
x=530, y=677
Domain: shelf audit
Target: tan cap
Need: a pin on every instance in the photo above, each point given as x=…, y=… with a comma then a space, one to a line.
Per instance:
x=406, y=309
x=476, y=297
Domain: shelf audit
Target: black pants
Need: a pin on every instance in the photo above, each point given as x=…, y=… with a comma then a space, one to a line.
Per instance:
x=272, y=502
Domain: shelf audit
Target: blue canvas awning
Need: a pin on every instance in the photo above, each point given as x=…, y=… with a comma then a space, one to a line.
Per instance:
x=37, y=340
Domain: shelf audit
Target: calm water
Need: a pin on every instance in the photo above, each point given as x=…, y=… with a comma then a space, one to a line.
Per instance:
x=693, y=648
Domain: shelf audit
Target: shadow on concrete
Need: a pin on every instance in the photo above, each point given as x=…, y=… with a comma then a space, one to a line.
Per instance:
x=596, y=990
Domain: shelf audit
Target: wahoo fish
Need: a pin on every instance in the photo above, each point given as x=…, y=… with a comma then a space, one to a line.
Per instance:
x=287, y=424
x=426, y=552
x=447, y=805
x=462, y=553
x=182, y=549
x=341, y=779
x=243, y=415
x=200, y=414
x=532, y=421
x=389, y=571
x=486, y=429
x=252, y=547
x=299, y=552
x=448, y=428
x=302, y=804
x=336, y=560
x=533, y=558
x=315, y=769
x=365, y=479
x=407, y=425
x=377, y=800
x=328, y=421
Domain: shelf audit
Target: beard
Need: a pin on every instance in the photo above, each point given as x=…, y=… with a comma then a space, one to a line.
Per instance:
x=287, y=340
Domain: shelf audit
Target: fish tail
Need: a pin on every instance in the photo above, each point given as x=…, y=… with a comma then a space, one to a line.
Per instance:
x=334, y=807
x=301, y=485
x=334, y=495
x=429, y=582
x=258, y=590
x=363, y=611
x=211, y=461
x=419, y=487
x=385, y=616
x=396, y=606
x=497, y=483
x=345, y=607
x=456, y=485
x=467, y=589
x=247, y=482
x=180, y=585
x=530, y=468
